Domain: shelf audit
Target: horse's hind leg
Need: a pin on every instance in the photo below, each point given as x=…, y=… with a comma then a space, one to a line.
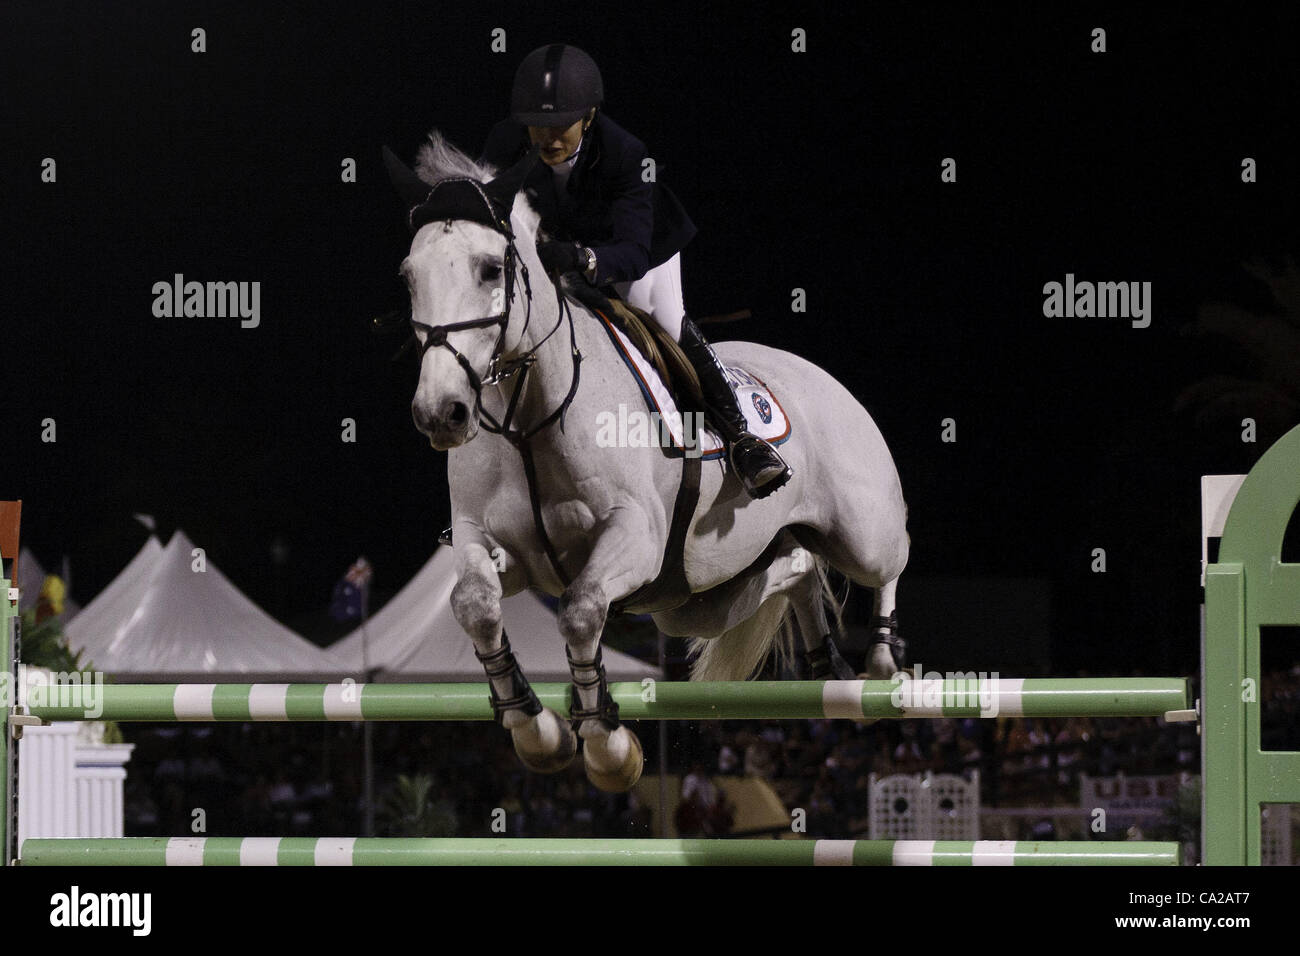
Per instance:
x=808, y=598
x=542, y=738
x=888, y=652
x=867, y=542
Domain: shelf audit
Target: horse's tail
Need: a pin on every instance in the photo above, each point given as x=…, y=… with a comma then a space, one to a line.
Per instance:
x=737, y=654
x=834, y=601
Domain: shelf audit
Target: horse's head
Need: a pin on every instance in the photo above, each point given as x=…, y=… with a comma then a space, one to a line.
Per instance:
x=462, y=273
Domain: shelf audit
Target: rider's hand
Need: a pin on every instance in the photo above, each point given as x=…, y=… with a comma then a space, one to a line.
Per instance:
x=559, y=256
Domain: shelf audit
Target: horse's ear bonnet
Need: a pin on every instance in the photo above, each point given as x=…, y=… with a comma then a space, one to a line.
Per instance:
x=454, y=199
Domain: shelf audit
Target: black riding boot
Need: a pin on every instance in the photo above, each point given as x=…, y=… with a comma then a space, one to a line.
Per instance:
x=760, y=468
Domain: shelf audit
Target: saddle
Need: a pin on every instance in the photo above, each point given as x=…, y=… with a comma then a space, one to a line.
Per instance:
x=666, y=377
x=656, y=345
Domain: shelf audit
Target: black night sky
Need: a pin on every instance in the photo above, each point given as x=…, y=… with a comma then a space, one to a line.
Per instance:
x=817, y=170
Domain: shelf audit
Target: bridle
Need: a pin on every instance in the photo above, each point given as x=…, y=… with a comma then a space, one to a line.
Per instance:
x=497, y=217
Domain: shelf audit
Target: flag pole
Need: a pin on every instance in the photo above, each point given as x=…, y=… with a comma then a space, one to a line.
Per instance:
x=367, y=741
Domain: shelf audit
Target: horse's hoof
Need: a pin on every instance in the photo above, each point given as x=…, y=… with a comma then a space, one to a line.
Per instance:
x=623, y=776
x=880, y=663
x=547, y=744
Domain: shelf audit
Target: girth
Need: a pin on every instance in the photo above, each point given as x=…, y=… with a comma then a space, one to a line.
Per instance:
x=670, y=588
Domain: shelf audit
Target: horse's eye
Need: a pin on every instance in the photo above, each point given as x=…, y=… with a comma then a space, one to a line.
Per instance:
x=489, y=272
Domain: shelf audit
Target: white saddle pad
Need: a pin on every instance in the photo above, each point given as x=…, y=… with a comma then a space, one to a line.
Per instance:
x=766, y=417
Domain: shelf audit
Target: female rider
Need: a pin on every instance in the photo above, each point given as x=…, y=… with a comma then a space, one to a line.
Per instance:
x=606, y=223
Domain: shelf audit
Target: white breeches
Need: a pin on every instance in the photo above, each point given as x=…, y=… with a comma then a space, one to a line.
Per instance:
x=659, y=292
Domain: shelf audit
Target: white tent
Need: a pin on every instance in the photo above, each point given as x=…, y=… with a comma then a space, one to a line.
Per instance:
x=415, y=637
x=160, y=620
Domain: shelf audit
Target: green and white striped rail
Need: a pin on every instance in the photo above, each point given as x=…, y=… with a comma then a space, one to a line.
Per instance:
x=307, y=851
x=662, y=700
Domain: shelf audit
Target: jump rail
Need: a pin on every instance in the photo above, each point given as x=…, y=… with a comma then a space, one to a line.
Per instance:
x=307, y=851
x=657, y=700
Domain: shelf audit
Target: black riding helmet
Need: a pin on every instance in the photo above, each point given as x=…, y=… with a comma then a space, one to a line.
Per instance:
x=555, y=85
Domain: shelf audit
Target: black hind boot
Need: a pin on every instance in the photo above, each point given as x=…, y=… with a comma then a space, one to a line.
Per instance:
x=761, y=470
x=826, y=663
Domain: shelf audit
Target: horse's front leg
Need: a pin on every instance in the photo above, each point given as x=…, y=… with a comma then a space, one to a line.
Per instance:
x=542, y=738
x=624, y=557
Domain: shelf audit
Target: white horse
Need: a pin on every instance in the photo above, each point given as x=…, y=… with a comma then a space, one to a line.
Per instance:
x=502, y=357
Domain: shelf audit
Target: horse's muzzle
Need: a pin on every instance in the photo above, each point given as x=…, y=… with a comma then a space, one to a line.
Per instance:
x=451, y=425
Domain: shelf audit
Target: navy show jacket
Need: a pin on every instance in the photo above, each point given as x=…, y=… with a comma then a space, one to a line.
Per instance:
x=630, y=224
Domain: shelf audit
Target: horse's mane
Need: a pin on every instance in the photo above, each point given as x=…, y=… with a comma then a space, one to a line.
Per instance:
x=438, y=160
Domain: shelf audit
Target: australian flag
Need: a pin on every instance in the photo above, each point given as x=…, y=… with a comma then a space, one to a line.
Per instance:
x=351, y=597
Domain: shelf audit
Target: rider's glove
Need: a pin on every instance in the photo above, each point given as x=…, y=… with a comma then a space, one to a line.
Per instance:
x=560, y=256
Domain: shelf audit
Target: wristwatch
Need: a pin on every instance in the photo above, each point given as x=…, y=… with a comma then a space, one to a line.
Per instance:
x=590, y=271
